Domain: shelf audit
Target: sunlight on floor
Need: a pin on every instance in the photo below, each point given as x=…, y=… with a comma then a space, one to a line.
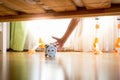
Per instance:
x=64, y=66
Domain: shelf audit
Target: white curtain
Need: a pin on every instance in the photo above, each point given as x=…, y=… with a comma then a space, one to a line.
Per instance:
x=7, y=25
x=81, y=38
x=45, y=29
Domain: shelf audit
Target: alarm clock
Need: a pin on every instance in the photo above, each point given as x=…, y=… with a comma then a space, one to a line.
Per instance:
x=50, y=50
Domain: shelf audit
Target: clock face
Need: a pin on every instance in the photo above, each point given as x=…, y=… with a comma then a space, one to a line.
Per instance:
x=51, y=50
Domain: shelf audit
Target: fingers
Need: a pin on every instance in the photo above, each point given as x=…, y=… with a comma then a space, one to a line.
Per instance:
x=59, y=48
x=55, y=38
x=58, y=43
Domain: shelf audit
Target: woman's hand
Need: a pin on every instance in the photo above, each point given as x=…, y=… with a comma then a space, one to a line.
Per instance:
x=59, y=42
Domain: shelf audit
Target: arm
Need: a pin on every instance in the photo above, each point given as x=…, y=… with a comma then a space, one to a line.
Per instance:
x=60, y=41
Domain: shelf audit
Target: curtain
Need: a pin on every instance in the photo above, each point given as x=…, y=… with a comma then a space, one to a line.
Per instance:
x=17, y=35
x=81, y=38
x=7, y=25
x=44, y=29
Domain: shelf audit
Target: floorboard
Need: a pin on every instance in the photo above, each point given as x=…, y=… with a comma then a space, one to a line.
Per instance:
x=64, y=66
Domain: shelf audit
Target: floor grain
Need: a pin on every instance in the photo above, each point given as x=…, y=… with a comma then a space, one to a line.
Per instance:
x=64, y=66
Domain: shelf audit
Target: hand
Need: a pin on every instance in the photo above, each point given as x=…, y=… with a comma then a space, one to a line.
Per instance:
x=59, y=42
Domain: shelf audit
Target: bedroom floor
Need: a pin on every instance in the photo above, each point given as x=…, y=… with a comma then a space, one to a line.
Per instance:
x=65, y=66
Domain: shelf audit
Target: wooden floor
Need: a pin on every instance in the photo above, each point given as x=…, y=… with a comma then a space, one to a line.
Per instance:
x=65, y=66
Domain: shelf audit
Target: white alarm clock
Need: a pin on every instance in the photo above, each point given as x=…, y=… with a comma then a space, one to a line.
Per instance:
x=50, y=50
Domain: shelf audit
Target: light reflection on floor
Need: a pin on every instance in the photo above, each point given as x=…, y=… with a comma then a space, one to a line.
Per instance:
x=65, y=66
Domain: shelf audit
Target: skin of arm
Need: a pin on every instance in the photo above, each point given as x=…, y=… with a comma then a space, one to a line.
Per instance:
x=60, y=41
